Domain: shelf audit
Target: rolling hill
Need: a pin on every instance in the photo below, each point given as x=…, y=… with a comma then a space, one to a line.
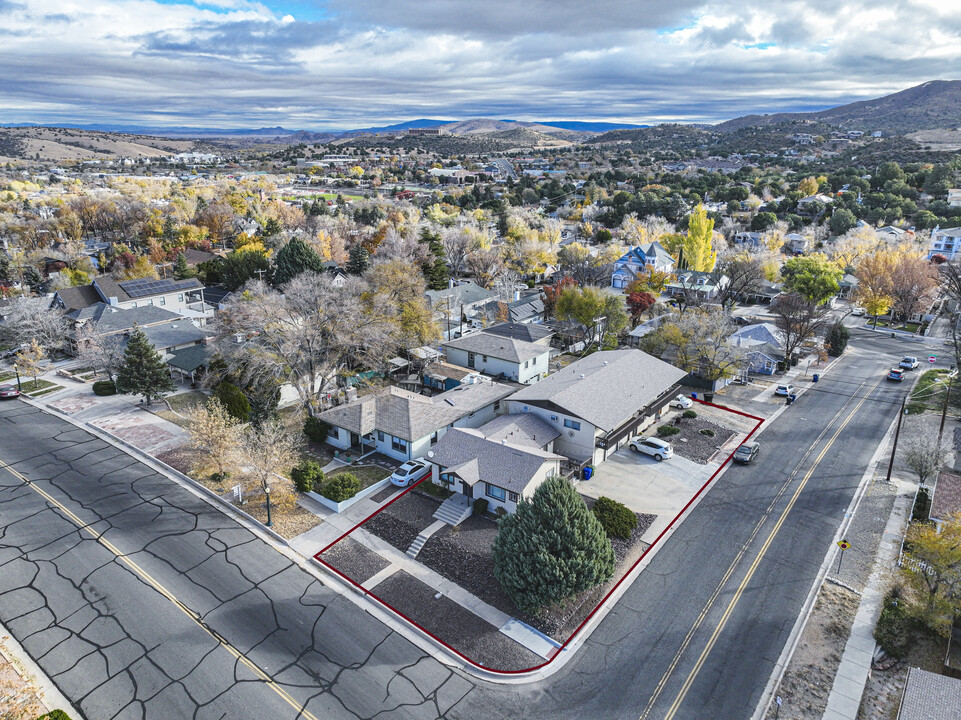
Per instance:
x=931, y=105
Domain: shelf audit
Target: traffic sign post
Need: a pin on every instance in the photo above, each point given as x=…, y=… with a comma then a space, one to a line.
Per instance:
x=932, y=358
x=844, y=545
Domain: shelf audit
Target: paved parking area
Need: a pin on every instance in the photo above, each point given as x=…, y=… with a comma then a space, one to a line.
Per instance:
x=647, y=486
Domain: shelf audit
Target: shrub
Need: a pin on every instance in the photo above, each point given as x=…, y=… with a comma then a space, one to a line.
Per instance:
x=341, y=487
x=837, y=338
x=689, y=414
x=316, y=429
x=104, y=387
x=434, y=490
x=501, y=511
x=233, y=400
x=307, y=475
x=893, y=630
x=667, y=430
x=480, y=506
x=922, y=505
x=54, y=715
x=707, y=431
x=616, y=518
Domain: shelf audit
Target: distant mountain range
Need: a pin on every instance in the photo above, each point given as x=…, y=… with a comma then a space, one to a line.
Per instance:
x=931, y=105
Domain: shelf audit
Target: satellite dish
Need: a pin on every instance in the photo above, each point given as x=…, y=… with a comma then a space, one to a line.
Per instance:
x=430, y=453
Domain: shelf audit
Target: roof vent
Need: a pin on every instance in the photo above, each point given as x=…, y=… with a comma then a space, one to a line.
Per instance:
x=503, y=441
x=582, y=376
x=605, y=365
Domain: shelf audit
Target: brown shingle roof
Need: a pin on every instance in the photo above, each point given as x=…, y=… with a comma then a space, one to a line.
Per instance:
x=947, y=496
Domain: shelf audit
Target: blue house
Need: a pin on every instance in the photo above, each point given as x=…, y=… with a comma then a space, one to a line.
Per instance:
x=639, y=260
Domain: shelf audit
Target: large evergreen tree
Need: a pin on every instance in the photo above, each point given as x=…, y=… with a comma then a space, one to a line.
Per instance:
x=435, y=268
x=552, y=548
x=358, y=260
x=294, y=258
x=143, y=371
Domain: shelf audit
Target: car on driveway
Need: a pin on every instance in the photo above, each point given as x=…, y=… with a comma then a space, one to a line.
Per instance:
x=409, y=473
x=656, y=448
x=896, y=374
x=8, y=391
x=682, y=401
x=786, y=389
x=746, y=452
x=857, y=310
x=909, y=363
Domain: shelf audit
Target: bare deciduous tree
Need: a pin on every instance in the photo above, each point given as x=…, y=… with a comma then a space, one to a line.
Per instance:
x=458, y=244
x=103, y=353
x=215, y=436
x=29, y=319
x=799, y=319
x=923, y=453
x=266, y=451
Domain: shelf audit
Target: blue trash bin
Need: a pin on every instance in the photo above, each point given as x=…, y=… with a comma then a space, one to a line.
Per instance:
x=693, y=396
x=588, y=471
x=816, y=377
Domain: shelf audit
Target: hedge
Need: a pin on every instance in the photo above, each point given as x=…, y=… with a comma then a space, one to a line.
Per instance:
x=616, y=518
x=315, y=429
x=104, y=387
x=341, y=487
x=667, y=430
x=307, y=475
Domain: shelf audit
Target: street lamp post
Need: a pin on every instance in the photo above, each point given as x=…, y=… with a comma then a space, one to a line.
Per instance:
x=16, y=369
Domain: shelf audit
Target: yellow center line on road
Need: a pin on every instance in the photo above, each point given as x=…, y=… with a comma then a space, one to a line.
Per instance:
x=147, y=578
x=757, y=561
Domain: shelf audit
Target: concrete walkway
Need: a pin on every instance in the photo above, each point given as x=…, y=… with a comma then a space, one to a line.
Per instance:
x=845, y=698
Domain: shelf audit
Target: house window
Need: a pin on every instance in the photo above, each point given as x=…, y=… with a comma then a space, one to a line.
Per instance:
x=484, y=357
x=527, y=364
x=498, y=493
x=333, y=432
x=572, y=424
x=551, y=472
x=512, y=496
x=433, y=438
x=448, y=478
x=398, y=444
x=380, y=436
x=180, y=297
x=163, y=301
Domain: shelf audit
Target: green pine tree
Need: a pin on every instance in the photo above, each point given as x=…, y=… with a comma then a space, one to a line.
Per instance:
x=358, y=261
x=143, y=371
x=294, y=258
x=552, y=548
x=435, y=269
x=181, y=268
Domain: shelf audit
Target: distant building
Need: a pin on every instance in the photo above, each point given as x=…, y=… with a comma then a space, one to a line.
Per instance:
x=945, y=242
x=426, y=131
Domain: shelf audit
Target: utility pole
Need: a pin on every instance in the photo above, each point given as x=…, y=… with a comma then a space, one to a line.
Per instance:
x=897, y=432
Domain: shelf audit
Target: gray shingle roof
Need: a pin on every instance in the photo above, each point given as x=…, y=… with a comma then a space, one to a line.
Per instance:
x=520, y=429
x=190, y=358
x=528, y=332
x=108, y=319
x=467, y=293
x=411, y=416
x=171, y=335
x=495, y=346
x=615, y=385
x=929, y=696
x=75, y=298
x=476, y=458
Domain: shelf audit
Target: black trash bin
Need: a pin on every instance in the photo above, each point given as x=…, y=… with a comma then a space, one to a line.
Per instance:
x=709, y=397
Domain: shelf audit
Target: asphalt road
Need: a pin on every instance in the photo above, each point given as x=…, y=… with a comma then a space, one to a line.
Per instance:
x=127, y=614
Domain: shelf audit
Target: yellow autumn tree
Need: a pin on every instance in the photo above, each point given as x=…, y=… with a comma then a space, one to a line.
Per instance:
x=698, y=246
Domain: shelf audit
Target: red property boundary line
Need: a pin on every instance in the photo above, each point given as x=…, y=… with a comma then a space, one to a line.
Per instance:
x=590, y=615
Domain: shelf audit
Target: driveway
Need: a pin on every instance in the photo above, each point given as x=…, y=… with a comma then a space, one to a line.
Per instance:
x=647, y=486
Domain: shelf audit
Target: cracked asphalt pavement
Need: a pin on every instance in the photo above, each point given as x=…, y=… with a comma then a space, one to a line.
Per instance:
x=137, y=635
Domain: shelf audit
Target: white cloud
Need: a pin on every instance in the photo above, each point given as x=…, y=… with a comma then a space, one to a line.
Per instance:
x=237, y=62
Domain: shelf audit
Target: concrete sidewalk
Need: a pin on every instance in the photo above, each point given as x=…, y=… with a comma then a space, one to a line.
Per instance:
x=852, y=675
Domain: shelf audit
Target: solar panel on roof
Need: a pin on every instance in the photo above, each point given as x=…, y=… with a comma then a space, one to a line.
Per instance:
x=149, y=286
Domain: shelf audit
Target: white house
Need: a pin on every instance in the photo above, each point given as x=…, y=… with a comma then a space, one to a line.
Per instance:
x=693, y=282
x=184, y=297
x=639, y=260
x=599, y=402
x=404, y=425
x=797, y=243
x=507, y=357
x=503, y=462
x=746, y=237
x=945, y=242
x=954, y=197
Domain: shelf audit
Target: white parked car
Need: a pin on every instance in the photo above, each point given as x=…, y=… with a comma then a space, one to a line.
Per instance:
x=682, y=401
x=410, y=472
x=857, y=310
x=909, y=363
x=657, y=449
x=785, y=390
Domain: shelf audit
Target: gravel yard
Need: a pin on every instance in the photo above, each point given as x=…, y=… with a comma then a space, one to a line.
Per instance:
x=401, y=522
x=459, y=628
x=354, y=560
x=695, y=445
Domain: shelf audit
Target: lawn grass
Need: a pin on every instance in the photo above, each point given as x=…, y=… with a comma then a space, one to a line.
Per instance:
x=929, y=392
x=184, y=402
x=367, y=475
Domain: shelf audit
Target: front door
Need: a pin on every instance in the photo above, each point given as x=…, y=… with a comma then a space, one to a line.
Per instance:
x=470, y=360
x=354, y=439
x=468, y=490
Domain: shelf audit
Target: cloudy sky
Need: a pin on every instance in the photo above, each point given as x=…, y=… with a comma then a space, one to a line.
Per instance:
x=323, y=64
